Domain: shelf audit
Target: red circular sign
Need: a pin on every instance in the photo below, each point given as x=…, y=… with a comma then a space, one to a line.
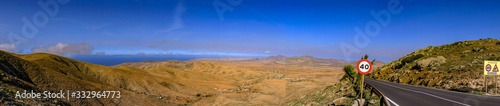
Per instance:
x=488, y=67
x=364, y=66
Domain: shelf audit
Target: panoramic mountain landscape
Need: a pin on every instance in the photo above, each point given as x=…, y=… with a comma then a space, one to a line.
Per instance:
x=249, y=52
x=275, y=80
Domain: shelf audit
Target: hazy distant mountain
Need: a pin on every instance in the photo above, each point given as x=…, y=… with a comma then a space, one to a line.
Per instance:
x=313, y=61
x=305, y=61
x=276, y=58
x=293, y=61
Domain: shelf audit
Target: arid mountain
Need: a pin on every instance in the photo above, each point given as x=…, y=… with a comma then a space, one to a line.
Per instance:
x=45, y=72
x=226, y=81
x=257, y=81
x=457, y=66
x=231, y=81
x=276, y=58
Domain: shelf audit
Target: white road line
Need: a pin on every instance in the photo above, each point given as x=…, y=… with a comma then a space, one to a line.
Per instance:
x=392, y=101
x=425, y=94
x=449, y=91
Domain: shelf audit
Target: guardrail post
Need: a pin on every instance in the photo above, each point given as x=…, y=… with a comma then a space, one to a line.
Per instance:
x=371, y=92
x=381, y=101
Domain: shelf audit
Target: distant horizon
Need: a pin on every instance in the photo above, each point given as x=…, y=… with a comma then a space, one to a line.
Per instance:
x=186, y=57
x=261, y=56
x=111, y=60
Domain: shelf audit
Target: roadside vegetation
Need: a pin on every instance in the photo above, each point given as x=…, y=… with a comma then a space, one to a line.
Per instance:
x=457, y=66
x=343, y=93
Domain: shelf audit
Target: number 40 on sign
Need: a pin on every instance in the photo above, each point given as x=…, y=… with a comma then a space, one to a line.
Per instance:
x=364, y=66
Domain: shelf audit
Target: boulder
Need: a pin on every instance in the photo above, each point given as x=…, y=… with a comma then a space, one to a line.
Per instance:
x=478, y=49
x=431, y=62
x=360, y=102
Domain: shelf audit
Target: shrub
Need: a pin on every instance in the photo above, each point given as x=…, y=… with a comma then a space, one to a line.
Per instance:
x=498, y=43
x=494, y=58
x=5, y=78
x=408, y=66
x=476, y=92
x=349, y=71
x=411, y=59
x=465, y=55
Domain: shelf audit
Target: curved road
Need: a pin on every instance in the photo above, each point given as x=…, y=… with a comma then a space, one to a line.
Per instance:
x=409, y=95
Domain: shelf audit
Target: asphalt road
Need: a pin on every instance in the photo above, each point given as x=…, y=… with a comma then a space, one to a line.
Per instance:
x=409, y=95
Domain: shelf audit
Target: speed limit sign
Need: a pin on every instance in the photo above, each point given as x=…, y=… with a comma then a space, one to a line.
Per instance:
x=364, y=66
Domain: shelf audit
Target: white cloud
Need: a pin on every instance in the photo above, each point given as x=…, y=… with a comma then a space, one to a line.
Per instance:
x=267, y=52
x=67, y=50
x=154, y=46
x=7, y=47
x=177, y=19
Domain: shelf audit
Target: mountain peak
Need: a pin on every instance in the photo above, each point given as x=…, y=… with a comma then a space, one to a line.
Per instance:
x=276, y=58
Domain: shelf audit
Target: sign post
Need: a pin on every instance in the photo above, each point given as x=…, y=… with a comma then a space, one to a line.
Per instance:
x=491, y=68
x=364, y=67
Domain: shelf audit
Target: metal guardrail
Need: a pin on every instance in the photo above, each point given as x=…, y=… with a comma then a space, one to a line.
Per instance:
x=383, y=99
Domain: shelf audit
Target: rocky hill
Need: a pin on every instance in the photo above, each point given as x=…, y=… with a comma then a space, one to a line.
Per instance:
x=457, y=66
x=46, y=72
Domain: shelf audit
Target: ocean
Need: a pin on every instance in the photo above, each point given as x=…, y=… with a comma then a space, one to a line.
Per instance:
x=110, y=60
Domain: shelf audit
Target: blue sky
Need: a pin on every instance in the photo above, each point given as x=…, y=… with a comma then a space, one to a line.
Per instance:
x=252, y=28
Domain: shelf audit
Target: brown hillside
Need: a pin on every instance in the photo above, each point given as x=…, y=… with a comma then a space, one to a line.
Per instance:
x=231, y=81
x=248, y=81
x=49, y=78
x=47, y=72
